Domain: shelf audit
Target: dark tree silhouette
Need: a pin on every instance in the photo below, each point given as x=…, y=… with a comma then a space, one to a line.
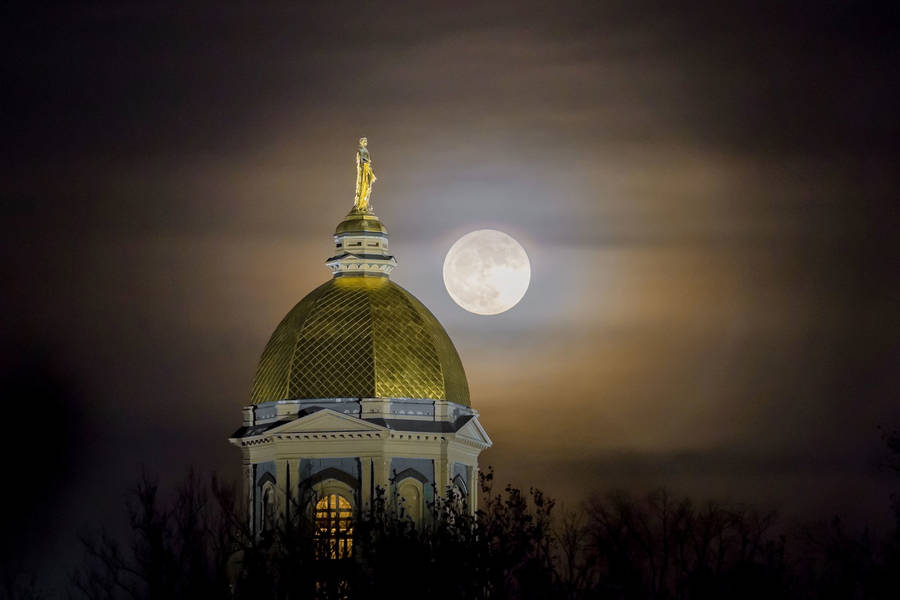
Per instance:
x=176, y=551
x=202, y=547
x=659, y=546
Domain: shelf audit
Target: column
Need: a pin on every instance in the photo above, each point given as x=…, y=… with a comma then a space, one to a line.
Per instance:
x=382, y=466
x=473, y=484
x=281, y=484
x=247, y=470
x=365, y=496
x=293, y=485
x=442, y=471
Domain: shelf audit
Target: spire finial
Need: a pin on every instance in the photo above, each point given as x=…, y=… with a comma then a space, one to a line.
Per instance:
x=365, y=177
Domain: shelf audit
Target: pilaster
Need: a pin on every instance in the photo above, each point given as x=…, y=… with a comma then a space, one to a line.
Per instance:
x=473, y=484
x=281, y=482
x=247, y=472
x=365, y=482
x=382, y=467
x=293, y=485
x=442, y=471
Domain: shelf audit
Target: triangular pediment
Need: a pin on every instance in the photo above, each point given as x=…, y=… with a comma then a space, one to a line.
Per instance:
x=326, y=420
x=473, y=431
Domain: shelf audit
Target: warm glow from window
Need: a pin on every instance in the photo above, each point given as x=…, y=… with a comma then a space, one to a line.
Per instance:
x=333, y=524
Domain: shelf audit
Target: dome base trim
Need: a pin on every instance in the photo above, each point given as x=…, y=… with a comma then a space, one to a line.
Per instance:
x=407, y=409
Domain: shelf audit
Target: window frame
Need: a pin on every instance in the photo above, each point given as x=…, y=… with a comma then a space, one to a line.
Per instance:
x=334, y=532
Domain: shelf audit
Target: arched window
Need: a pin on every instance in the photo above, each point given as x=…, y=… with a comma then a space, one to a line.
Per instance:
x=460, y=491
x=268, y=507
x=410, y=497
x=333, y=525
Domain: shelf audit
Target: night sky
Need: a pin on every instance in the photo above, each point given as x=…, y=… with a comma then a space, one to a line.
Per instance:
x=708, y=194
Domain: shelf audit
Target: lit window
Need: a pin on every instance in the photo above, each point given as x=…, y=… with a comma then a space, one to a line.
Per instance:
x=333, y=524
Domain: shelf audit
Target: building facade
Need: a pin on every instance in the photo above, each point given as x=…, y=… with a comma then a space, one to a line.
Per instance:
x=359, y=388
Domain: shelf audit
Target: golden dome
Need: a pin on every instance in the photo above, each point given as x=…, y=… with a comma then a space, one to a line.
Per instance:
x=360, y=337
x=360, y=222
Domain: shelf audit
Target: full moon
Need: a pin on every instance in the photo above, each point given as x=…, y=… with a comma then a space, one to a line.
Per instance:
x=486, y=272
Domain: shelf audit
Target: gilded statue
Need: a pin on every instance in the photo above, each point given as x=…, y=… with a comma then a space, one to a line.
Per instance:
x=365, y=177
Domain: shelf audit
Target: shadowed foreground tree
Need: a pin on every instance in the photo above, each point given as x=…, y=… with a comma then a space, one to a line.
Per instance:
x=202, y=547
x=661, y=546
x=181, y=550
x=658, y=546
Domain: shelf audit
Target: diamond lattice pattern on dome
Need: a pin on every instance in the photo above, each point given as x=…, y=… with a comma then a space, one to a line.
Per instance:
x=333, y=357
x=357, y=337
x=406, y=363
